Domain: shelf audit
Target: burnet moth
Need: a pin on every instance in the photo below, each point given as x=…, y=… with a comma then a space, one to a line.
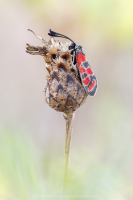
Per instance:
x=86, y=74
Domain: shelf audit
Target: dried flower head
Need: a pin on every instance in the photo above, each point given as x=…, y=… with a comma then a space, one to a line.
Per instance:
x=64, y=91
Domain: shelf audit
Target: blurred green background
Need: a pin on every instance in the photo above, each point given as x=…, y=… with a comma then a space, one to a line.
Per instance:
x=32, y=135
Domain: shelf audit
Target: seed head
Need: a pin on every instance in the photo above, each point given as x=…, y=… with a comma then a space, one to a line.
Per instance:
x=64, y=91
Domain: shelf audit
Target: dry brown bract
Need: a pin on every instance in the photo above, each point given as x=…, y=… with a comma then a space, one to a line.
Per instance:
x=64, y=91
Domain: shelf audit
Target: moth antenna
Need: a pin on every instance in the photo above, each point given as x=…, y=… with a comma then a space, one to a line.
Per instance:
x=37, y=36
x=54, y=34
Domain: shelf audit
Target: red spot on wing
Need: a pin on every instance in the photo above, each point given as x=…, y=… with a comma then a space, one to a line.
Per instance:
x=86, y=81
x=89, y=71
x=82, y=70
x=80, y=58
x=92, y=85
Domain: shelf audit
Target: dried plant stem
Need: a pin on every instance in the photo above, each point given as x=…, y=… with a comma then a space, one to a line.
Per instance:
x=69, y=128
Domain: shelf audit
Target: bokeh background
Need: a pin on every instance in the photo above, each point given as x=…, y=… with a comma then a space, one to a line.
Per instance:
x=32, y=135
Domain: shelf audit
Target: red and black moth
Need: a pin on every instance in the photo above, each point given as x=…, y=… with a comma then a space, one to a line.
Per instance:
x=86, y=74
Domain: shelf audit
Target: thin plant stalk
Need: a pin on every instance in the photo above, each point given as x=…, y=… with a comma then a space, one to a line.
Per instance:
x=69, y=128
